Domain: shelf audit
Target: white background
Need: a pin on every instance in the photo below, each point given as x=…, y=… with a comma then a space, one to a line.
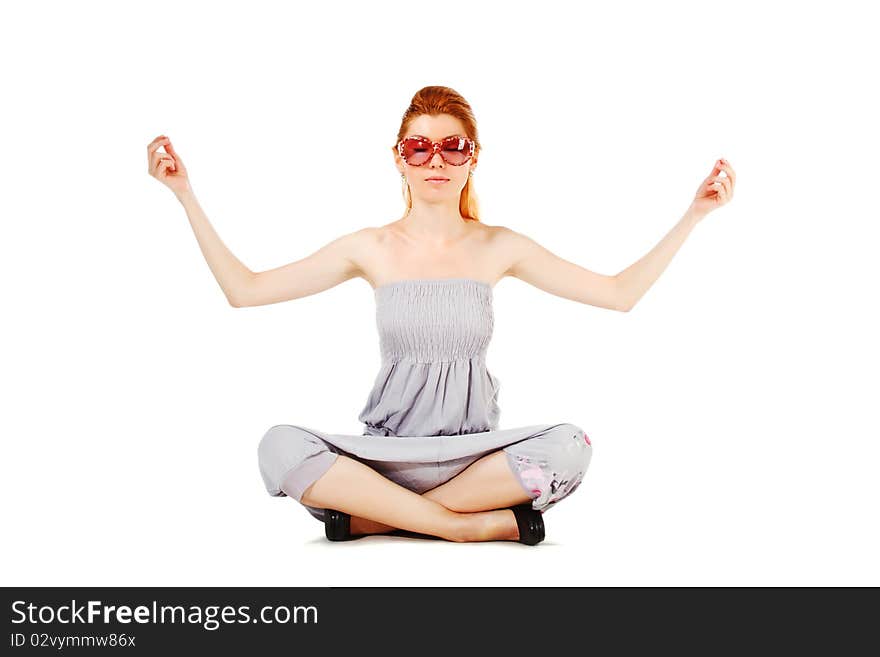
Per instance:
x=732, y=412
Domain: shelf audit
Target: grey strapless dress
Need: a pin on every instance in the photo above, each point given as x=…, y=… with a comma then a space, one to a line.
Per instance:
x=433, y=409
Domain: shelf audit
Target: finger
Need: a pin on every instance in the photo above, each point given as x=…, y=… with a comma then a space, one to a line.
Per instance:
x=155, y=154
x=718, y=183
x=164, y=167
x=170, y=149
x=725, y=179
x=167, y=144
x=729, y=170
x=155, y=144
x=156, y=157
x=160, y=159
x=717, y=171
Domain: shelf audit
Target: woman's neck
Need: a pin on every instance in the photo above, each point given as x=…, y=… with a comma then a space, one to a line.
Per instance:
x=441, y=221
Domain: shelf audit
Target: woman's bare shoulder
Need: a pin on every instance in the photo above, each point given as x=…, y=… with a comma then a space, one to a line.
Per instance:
x=368, y=244
x=503, y=235
x=380, y=233
x=370, y=236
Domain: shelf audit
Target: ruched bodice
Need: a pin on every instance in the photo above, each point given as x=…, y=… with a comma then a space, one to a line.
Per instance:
x=433, y=379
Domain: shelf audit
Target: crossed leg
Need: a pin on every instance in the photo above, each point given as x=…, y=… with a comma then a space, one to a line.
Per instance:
x=470, y=506
x=485, y=485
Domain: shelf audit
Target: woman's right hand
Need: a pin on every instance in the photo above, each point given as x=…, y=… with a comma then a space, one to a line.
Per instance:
x=167, y=167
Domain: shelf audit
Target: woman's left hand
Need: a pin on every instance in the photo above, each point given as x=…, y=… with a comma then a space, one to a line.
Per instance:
x=714, y=191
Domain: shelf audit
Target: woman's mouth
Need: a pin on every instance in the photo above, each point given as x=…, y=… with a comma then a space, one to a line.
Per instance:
x=437, y=180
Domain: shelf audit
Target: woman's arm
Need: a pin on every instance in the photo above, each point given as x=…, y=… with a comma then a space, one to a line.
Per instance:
x=637, y=279
x=230, y=273
x=534, y=264
x=168, y=168
x=327, y=267
x=714, y=191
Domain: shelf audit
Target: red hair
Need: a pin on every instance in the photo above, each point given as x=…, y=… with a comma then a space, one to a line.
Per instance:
x=436, y=100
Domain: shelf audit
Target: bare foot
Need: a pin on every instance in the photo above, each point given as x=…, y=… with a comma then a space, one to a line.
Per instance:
x=497, y=525
x=365, y=526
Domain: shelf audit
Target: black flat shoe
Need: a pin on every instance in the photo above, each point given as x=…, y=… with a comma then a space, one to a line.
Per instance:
x=529, y=522
x=337, y=526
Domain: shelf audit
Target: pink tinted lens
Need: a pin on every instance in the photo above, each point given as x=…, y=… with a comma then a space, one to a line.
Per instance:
x=416, y=151
x=456, y=150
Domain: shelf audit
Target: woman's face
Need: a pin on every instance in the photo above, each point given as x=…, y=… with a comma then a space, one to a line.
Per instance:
x=435, y=128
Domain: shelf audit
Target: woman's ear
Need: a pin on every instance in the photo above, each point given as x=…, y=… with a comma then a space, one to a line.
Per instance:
x=398, y=161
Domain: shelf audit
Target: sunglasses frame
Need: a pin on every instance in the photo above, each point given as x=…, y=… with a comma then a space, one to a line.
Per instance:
x=436, y=147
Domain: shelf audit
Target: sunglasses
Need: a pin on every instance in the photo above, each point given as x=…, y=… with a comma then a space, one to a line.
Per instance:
x=417, y=151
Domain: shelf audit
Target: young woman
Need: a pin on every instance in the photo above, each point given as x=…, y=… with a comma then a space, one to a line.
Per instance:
x=432, y=461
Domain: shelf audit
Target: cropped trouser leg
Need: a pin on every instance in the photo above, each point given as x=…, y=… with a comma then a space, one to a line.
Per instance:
x=552, y=464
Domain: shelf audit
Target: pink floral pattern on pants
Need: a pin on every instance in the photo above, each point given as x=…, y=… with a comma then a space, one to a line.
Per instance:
x=550, y=479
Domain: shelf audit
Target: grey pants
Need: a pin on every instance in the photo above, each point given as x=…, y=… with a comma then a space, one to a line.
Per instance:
x=549, y=460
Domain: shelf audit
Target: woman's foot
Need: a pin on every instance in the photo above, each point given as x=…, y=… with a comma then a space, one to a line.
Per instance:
x=497, y=525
